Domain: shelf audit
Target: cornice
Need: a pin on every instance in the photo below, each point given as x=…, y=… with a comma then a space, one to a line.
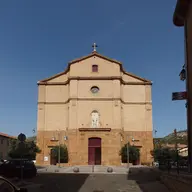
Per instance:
x=95, y=99
x=95, y=78
x=94, y=129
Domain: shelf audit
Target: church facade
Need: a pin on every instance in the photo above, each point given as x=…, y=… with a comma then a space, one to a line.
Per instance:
x=94, y=107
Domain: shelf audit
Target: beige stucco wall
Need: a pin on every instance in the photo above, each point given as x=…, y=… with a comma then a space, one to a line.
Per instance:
x=83, y=68
x=56, y=116
x=106, y=89
x=128, y=78
x=133, y=93
x=61, y=78
x=57, y=93
x=123, y=106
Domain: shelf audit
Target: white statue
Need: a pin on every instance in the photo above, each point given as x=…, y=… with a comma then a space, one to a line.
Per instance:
x=95, y=119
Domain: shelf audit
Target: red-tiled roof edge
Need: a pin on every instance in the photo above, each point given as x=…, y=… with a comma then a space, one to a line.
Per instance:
x=8, y=136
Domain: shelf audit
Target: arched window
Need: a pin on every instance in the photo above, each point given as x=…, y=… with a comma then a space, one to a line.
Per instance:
x=94, y=119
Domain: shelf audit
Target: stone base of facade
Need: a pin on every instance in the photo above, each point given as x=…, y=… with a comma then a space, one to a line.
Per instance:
x=77, y=143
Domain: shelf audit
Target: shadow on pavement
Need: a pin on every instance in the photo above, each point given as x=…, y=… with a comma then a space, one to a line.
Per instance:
x=57, y=182
x=147, y=179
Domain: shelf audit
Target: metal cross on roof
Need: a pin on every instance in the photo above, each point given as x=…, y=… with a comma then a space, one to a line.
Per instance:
x=94, y=47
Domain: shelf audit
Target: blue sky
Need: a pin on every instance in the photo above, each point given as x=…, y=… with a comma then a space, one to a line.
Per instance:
x=39, y=38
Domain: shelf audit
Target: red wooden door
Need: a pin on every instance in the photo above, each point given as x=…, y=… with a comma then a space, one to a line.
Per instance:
x=94, y=151
x=91, y=155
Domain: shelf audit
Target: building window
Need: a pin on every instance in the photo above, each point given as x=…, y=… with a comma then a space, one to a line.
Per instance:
x=94, y=68
x=94, y=89
x=1, y=141
x=7, y=142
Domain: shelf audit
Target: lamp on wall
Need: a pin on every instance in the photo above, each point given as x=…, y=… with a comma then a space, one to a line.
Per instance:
x=182, y=74
x=65, y=138
x=133, y=140
x=53, y=139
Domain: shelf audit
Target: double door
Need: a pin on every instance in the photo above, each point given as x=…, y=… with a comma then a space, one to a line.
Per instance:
x=94, y=151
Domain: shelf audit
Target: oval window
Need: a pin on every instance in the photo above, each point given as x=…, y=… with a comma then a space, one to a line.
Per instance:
x=94, y=89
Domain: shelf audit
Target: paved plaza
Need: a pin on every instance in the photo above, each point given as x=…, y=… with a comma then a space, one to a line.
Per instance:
x=91, y=169
x=138, y=179
x=84, y=169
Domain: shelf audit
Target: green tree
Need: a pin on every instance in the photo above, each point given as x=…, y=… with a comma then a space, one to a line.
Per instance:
x=63, y=153
x=28, y=150
x=134, y=153
x=163, y=154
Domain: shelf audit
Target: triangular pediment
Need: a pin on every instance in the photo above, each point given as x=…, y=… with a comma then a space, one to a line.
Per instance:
x=126, y=76
x=130, y=77
x=92, y=55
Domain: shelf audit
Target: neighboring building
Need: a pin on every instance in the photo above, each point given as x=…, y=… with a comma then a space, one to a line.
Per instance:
x=183, y=152
x=183, y=18
x=4, y=145
x=94, y=107
x=172, y=146
x=183, y=13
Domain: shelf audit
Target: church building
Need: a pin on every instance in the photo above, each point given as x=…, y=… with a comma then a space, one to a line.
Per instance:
x=94, y=107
